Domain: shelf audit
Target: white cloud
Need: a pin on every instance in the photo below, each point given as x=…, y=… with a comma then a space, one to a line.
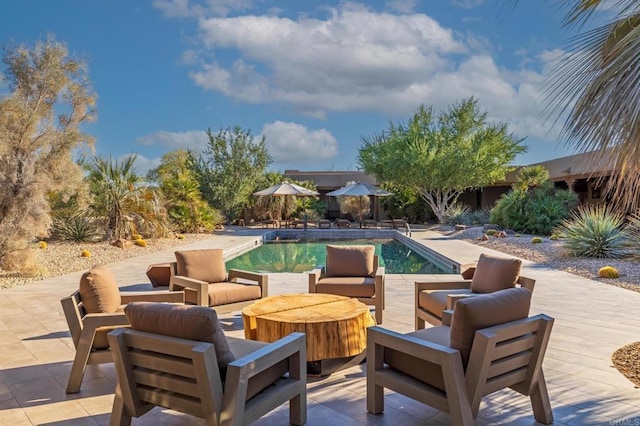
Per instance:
x=337, y=64
x=294, y=143
x=142, y=164
x=356, y=59
x=195, y=140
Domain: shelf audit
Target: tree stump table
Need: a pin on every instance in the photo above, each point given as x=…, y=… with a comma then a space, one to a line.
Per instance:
x=336, y=327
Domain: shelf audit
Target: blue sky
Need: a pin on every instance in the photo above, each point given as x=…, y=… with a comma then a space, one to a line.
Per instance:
x=313, y=76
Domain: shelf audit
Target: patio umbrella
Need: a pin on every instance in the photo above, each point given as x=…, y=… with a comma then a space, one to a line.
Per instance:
x=286, y=190
x=359, y=189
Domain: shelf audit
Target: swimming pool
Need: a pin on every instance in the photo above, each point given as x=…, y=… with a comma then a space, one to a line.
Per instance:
x=302, y=256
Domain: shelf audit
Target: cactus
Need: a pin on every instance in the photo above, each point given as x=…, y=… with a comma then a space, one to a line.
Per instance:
x=608, y=272
x=491, y=232
x=180, y=236
x=136, y=237
x=554, y=237
x=85, y=253
x=536, y=240
x=43, y=245
x=140, y=242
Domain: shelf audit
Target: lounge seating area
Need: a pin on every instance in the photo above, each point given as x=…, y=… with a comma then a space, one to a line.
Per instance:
x=37, y=352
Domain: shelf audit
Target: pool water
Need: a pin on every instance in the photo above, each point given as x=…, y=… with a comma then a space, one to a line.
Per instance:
x=303, y=256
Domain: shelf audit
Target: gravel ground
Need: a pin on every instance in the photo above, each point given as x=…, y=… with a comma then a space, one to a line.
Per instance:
x=552, y=253
x=63, y=257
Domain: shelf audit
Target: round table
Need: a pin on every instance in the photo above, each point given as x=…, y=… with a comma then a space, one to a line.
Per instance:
x=336, y=326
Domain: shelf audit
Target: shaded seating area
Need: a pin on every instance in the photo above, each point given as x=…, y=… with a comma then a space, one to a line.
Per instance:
x=94, y=310
x=201, y=274
x=490, y=344
x=351, y=271
x=177, y=357
x=490, y=274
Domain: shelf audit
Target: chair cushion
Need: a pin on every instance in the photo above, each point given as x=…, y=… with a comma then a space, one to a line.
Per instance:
x=350, y=261
x=425, y=371
x=257, y=383
x=226, y=292
x=198, y=323
x=347, y=286
x=486, y=310
x=435, y=301
x=204, y=265
x=495, y=273
x=99, y=291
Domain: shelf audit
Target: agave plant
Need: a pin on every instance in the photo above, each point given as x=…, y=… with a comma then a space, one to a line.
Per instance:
x=457, y=214
x=596, y=231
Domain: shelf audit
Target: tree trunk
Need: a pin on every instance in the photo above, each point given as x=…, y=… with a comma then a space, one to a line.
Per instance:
x=439, y=200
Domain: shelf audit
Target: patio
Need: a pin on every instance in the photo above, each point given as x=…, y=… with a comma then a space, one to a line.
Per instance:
x=592, y=320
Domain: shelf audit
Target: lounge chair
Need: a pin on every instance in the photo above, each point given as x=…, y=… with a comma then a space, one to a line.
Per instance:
x=93, y=311
x=178, y=357
x=351, y=271
x=201, y=274
x=491, y=344
x=488, y=275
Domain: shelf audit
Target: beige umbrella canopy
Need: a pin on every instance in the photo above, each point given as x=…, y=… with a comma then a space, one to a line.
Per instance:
x=359, y=189
x=287, y=190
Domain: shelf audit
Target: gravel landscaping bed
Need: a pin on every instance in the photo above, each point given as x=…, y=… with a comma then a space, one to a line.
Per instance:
x=63, y=257
x=552, y=254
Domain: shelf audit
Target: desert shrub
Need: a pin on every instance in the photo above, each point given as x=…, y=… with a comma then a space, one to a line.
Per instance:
x=23, y=261
x=596, y=231
x=608, y=272
x=457, y=214
x=536, y=240
x=537, y=210
x=136, y=237
x=479, y=217
x=312, y=215
x=554, y=237
x=78, y=228
x=140, y=242
x=491, y=232
x=180, y=236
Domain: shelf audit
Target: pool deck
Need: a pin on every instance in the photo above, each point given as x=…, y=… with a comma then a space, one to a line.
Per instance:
x=592, y=320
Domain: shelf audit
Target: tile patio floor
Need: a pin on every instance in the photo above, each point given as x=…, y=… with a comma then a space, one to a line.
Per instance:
x=592, y=321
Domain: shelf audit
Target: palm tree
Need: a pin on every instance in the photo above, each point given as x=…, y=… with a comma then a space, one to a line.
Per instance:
x=119, y=196
x=598, y=84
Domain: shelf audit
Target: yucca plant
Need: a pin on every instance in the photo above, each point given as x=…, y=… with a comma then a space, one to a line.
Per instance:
x=77, y=228
x=457, y=214
x=596, y=231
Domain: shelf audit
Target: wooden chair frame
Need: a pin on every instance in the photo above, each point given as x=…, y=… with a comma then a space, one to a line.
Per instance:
x=377, y=300
x=422, y=315
x=507, y=355
x=83, y=326
x=202, y=287
x=183, y=375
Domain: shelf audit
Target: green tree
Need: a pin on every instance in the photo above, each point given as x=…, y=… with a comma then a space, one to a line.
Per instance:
x=442, y=156
x=120, y=197
x=229, y=169
x=180, y=189
x=598, y=83
x=49, y=98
